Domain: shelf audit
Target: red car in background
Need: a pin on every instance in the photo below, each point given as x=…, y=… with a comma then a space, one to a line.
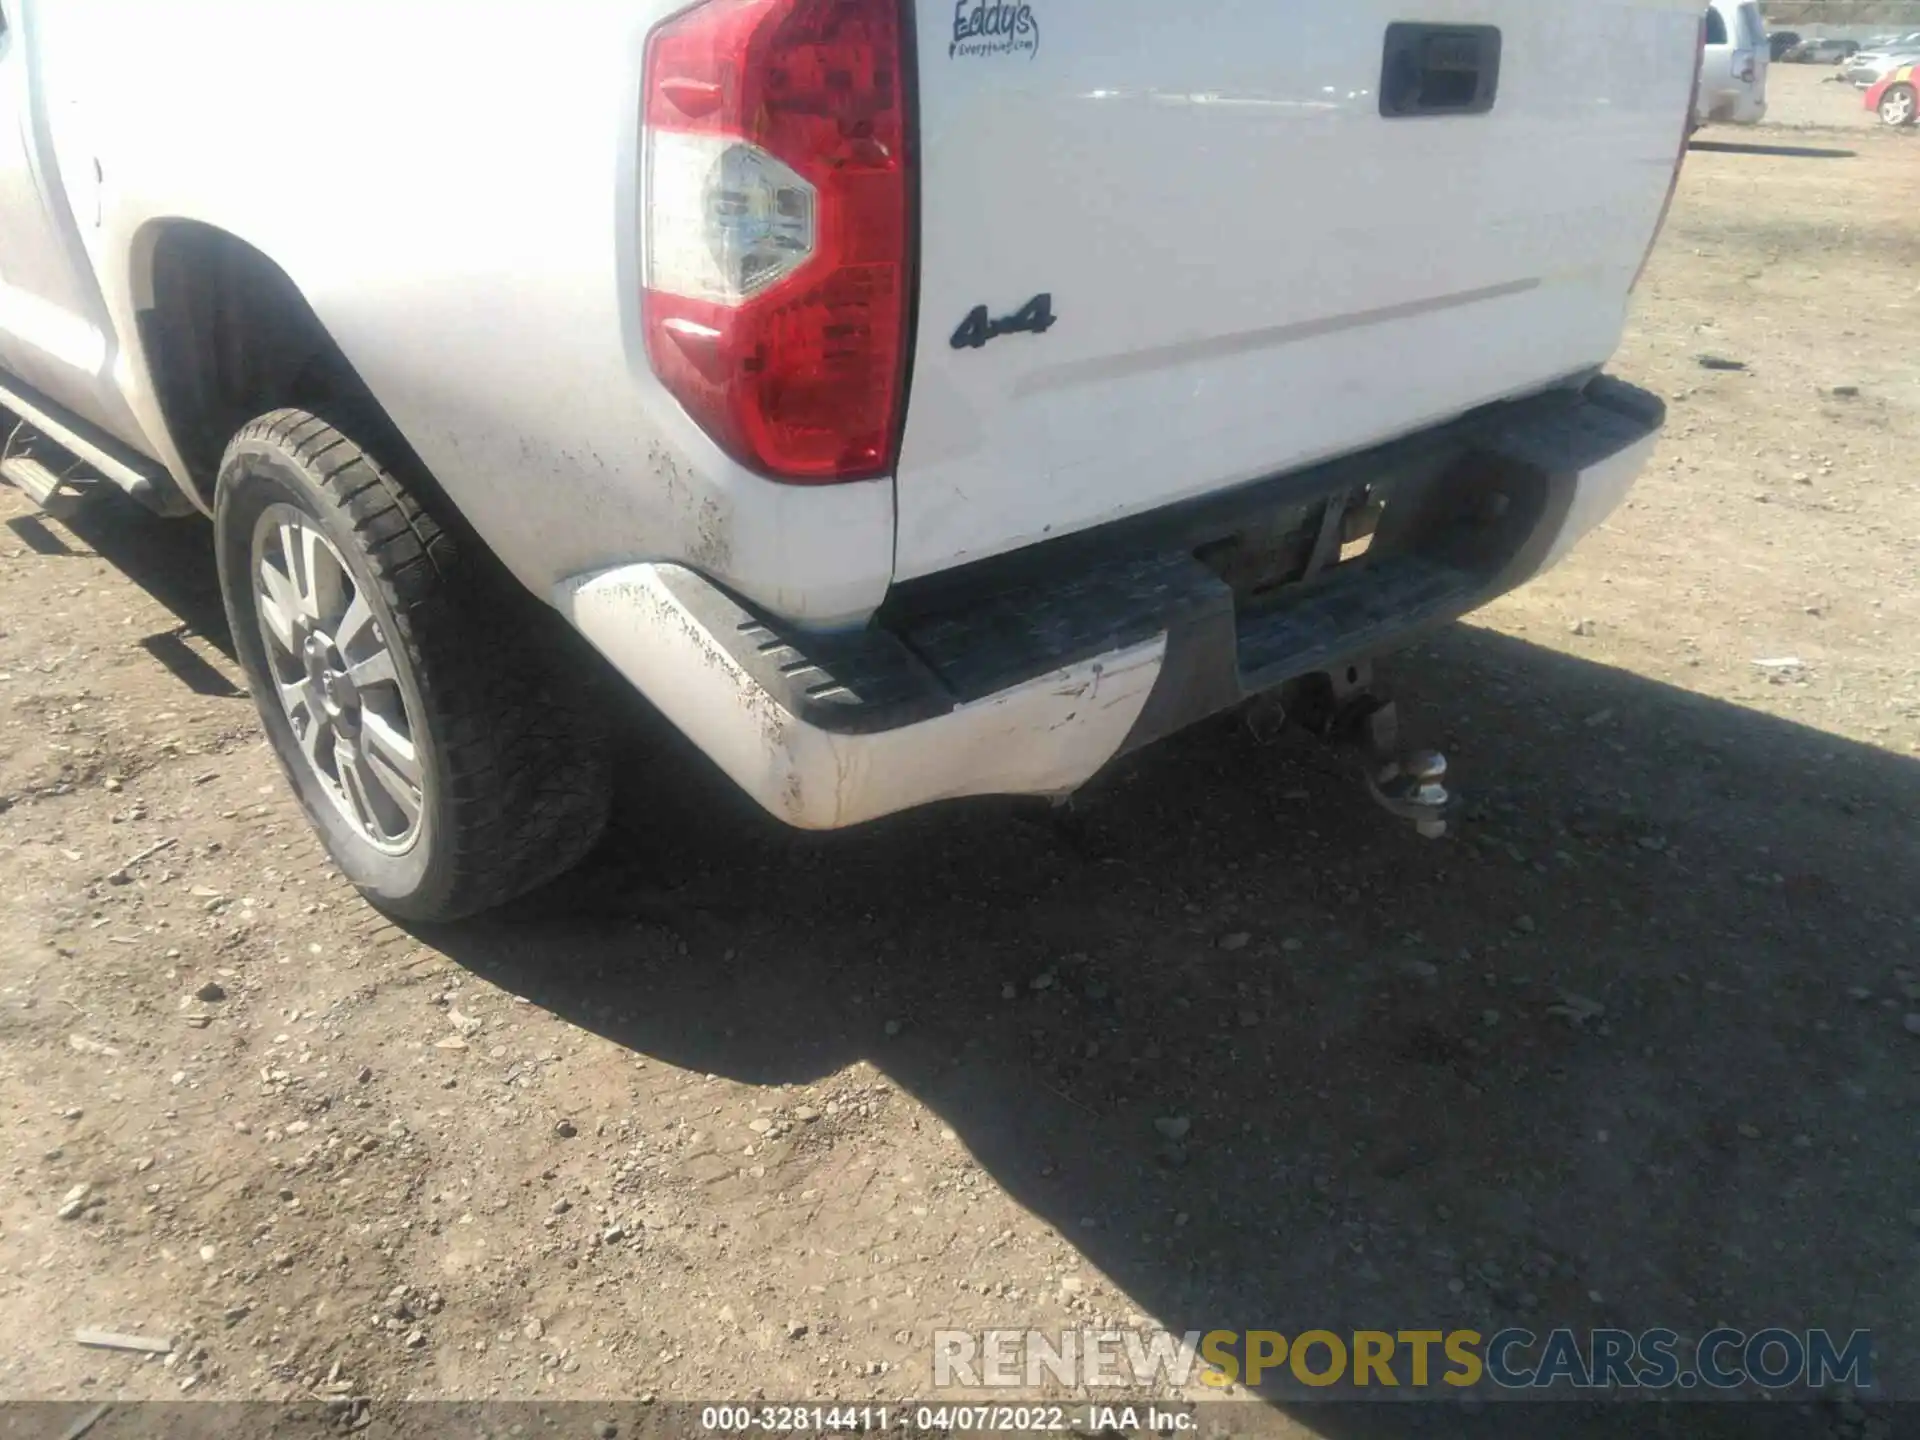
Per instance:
x=1896, y=99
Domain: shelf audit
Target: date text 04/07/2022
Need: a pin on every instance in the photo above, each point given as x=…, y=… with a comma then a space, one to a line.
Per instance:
x=943, y=1419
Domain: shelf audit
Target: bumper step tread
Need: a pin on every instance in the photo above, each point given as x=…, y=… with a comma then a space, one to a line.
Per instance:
x=1443, y=548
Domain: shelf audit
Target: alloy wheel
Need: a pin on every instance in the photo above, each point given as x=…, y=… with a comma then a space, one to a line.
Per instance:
x=336, y=679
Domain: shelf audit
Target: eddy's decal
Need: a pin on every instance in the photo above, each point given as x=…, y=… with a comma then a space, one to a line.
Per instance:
x=994, y=27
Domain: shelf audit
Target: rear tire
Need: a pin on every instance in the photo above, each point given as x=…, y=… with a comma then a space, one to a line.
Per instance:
x=1898, y=107
x=411, y=694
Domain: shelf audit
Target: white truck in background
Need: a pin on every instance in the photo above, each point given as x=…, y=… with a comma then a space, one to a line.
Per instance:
x=1734, y=61
x=912, y=398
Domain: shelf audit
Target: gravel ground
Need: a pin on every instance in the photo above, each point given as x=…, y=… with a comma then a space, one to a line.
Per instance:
x=736, y=1112
x=1808, y=97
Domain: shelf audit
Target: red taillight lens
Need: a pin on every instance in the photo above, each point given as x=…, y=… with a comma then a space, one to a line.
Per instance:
x=1680, y=159
x=777, y=237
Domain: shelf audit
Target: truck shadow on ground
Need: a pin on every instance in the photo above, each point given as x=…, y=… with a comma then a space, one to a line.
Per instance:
x=1629, y=1051
x=172, y=560
x=1782, y=152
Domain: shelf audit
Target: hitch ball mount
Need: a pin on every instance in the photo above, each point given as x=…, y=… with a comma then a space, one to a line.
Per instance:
x=1346, y=711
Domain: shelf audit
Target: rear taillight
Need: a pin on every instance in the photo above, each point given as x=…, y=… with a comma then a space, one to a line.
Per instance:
x=777, y=231
x=1680, y=158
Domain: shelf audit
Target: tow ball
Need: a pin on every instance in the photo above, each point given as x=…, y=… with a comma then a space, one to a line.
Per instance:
x=1344, y=710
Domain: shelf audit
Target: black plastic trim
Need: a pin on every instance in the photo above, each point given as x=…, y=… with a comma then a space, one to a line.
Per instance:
x=1470, y=511
x=1439, y=70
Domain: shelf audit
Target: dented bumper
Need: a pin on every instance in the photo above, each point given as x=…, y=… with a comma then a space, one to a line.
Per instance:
x=724, y=680
x=1029, y=674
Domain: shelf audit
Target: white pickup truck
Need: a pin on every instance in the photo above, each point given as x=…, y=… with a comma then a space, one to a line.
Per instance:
x=912, y=398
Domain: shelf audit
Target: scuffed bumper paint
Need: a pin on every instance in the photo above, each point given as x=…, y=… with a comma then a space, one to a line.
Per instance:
x=1113, y=652
x=1048, y=736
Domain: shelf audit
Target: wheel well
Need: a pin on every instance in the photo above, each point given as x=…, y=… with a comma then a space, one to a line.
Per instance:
x=229, y=337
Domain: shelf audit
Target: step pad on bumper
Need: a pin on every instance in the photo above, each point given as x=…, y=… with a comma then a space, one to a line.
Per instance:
x=1438, y=555
x=1027, y=674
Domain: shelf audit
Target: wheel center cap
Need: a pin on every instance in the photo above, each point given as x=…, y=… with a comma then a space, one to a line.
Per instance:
x=327, y=677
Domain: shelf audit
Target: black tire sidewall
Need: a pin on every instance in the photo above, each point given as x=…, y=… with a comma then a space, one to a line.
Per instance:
x=258, y=473
x=1913, y=111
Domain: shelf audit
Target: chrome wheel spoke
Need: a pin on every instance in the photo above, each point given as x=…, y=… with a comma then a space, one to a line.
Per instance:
x=295, y=540
x=338, y=679
x=363, y=647
x=356, y=633
x=319, y=572
x=387, y=745
x=279, y=603
x=310, y=728
x=353, y=786
x=400, y=792
x=376, y=669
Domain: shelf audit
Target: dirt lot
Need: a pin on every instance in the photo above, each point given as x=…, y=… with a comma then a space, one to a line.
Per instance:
x=734, y=1112
x=1808, y=97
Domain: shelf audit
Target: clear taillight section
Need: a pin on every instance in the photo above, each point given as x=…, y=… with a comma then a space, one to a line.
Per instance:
x=728, y=220
x=777, y=231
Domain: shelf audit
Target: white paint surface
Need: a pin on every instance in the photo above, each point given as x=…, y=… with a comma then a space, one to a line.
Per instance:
x=1251, y=268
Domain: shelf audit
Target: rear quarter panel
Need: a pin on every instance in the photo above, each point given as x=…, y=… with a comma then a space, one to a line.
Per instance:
x=454, y=189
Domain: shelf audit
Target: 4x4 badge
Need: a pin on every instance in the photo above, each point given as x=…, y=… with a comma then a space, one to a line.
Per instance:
x=978, y=328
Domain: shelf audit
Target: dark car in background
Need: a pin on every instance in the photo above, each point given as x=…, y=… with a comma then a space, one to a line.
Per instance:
x=1827, y=51
x=1781, y=41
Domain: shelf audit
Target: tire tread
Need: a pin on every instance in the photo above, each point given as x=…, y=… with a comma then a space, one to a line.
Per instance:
x=526, y=778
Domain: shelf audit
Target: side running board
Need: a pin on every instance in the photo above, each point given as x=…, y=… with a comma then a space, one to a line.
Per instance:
x=143, y=479
x=33, y=478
